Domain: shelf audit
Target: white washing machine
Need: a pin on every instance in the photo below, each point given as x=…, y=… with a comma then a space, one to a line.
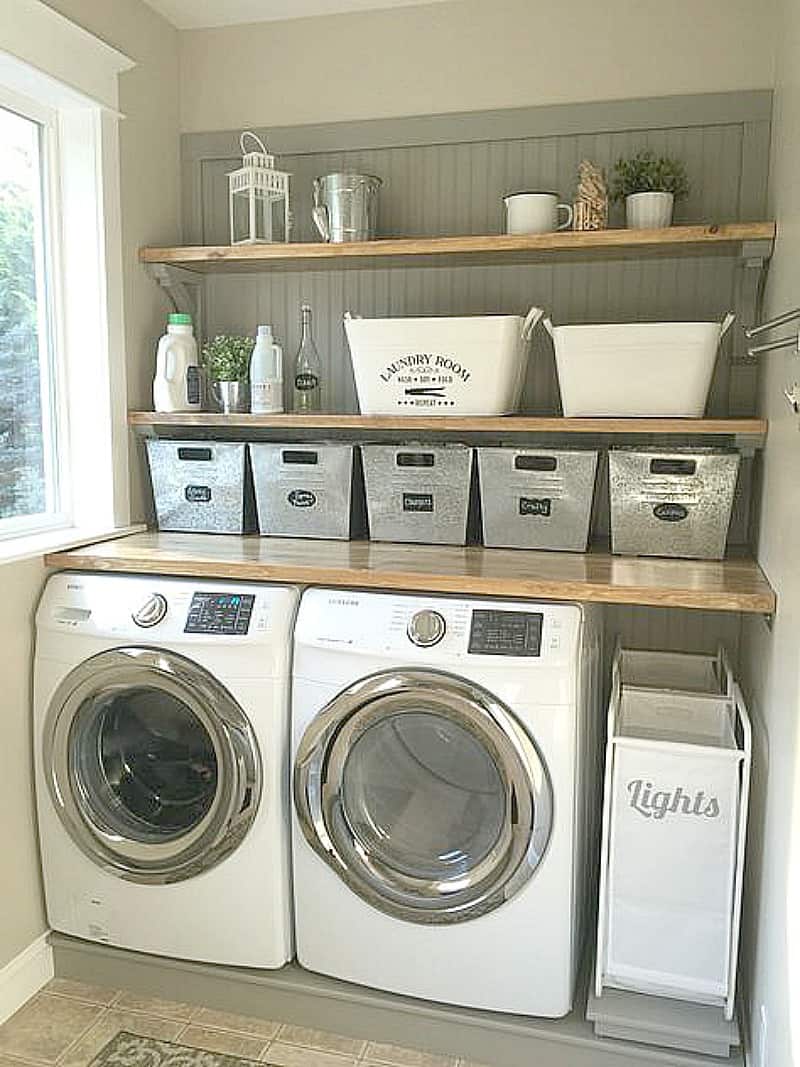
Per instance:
x=161, y=718
x=444, y=774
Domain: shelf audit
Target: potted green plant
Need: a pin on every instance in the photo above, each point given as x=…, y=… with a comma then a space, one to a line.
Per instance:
x=650, y=185
x=227, y=362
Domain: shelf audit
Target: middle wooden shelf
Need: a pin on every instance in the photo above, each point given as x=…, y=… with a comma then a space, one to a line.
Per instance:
x=742, y=431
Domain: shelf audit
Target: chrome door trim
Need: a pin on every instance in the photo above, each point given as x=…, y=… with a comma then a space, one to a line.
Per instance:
x=239, y=768
x=319, y=769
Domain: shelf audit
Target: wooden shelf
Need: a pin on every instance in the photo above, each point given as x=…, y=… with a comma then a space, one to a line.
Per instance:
x=730, y=585
x=489, y=248
x=754, y=431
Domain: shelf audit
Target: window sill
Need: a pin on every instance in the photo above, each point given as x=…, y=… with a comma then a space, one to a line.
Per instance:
x=29, y=546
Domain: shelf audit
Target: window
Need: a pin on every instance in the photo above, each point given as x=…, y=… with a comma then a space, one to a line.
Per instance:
x=63, y=438
x=31, y=488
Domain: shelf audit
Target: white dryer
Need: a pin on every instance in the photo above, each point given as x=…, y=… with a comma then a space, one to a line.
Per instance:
x=444, y=770
x=161, y=719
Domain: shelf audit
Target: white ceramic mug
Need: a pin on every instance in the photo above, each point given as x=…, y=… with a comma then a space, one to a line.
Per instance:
x=535, y=213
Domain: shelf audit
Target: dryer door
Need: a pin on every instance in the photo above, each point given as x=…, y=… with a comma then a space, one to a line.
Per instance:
x=151, y=764
x=425, y=794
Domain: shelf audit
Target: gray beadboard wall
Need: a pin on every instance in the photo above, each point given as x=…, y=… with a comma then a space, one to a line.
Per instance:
x=447, y=174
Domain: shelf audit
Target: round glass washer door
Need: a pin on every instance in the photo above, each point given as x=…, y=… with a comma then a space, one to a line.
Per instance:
x=425, y=794
x=151, y=764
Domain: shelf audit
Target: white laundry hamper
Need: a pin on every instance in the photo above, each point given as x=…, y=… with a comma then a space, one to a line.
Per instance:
x=674, y=822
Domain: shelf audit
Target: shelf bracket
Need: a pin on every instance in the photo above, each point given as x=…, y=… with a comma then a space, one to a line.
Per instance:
x=751, y=276
x=185, y=290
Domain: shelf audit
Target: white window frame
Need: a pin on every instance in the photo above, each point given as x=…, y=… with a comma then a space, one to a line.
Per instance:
x=58, y=74
x=54, y=407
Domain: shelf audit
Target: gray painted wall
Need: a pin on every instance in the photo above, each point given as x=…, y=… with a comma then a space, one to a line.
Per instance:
x=447, y=175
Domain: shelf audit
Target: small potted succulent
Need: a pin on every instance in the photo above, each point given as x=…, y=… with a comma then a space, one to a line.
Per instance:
x=650, y=185
x=227, y=363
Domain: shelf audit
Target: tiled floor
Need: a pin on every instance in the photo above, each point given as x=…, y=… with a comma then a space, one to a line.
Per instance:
x=68, y=1023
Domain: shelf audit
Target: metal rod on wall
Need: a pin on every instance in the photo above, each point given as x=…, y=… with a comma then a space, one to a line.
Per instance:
x=771, y=324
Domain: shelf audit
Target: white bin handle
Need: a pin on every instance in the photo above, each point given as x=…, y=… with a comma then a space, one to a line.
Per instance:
x=727, y=322
x=548, y=325
x=530, y=323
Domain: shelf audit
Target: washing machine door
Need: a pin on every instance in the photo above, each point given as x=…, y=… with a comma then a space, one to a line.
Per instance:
x=425, y=794
x=151, y=764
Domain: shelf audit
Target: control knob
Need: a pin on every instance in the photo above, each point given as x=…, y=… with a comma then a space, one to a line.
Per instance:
x=151, y=612
x=426, y=628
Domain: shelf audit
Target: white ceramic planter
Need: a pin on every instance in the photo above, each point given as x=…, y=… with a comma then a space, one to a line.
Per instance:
x=648, y=211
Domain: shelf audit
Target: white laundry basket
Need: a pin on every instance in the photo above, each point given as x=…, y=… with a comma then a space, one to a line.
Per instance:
x=637, y=368
x=683, y=672
x=463, y=365
x=674, y=821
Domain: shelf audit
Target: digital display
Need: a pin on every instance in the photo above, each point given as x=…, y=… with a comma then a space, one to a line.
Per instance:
x=219, y=613
x=506, y=633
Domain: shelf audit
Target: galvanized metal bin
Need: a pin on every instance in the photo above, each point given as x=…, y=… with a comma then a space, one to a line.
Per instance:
x=674, y=503
x=303, y=490
x=418, y=492
x=536, y=499
x=200, y=486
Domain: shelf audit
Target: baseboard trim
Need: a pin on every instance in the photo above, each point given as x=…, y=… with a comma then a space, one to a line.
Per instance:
x=297, y=996
x=25, y=975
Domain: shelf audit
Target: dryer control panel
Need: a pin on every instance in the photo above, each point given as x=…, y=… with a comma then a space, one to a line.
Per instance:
x=505, y=633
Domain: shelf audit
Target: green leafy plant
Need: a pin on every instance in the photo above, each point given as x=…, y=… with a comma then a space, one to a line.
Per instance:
x=227, y=357
x=647, y=173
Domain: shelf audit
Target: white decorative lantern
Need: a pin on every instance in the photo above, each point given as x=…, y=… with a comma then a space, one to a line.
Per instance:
x=258, y=198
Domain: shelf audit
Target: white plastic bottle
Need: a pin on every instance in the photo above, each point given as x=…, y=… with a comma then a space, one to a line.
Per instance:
x=176, y=385
x=266, y=374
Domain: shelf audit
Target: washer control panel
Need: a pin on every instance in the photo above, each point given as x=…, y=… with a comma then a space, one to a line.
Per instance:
x=426, y=628
x=506, y=633
x=219, y=613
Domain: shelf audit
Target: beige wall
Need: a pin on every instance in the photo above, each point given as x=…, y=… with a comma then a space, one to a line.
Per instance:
x=469, y=55
x=21, y=907
x=772, y=936
x=149, y=162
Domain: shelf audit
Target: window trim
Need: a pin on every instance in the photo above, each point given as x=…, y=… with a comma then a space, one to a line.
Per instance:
x=55, y=71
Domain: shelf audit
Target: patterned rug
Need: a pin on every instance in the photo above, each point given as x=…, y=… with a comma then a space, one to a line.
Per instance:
x=130, y=1050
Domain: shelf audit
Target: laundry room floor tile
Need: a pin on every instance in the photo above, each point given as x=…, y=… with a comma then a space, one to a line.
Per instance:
x=222, y=1041
x=397, y=1056
x=83, y=1051
x=164, y=1009
x=321, y=1039
x=283, y=1055
x=240, y=1024
x=94, y=994
x=45, y=1027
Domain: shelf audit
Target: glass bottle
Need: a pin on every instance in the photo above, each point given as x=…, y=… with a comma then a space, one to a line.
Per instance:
x=307, y=368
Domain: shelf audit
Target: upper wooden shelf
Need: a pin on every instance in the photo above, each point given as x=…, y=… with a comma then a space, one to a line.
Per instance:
x=501, y=248
x=753, y=430
x=736, y=584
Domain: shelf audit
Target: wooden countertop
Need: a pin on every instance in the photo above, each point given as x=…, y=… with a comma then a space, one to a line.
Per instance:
x=736, y=584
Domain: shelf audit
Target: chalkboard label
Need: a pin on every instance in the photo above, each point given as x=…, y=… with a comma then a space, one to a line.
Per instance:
x=540, y=507
x=417, y=501
x=670, y=512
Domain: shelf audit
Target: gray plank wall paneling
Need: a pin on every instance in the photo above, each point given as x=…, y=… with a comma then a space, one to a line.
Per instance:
x=447, y=175
x=456, y=186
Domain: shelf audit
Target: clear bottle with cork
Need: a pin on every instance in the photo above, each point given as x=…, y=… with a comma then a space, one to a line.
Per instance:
x=307, y=368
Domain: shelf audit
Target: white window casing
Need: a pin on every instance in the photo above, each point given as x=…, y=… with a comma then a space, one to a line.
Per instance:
x=66, y=79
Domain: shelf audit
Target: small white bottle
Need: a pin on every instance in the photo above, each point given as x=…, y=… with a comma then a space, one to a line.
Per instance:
x=176, y=385
x=266, y=374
